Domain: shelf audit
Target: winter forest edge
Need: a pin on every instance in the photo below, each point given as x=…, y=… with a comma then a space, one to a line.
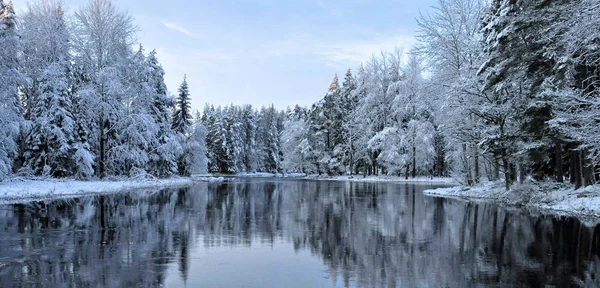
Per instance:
x=494, y=90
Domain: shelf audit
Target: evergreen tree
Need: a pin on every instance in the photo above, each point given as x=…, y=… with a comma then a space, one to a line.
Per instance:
x=182, y=117
x=10, y=81
x=50, y=141
x=164, y=148
x=249, y=139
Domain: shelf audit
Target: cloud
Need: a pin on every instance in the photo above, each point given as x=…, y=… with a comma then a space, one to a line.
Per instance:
x=356, y=52
x=178, y=28
x=338, y=54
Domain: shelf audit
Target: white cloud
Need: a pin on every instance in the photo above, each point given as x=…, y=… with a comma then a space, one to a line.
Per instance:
x=344, y=54
x=178, y=28
x=355, y=52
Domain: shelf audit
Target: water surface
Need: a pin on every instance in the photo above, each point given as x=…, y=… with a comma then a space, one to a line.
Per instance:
x=289, y=233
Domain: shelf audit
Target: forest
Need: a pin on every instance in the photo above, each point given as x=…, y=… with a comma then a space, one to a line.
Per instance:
x=501, y=90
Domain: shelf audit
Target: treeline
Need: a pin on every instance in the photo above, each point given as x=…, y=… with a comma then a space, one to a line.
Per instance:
x=498, y=89
x=503, y=89
x=78, y=101
x=243, y=139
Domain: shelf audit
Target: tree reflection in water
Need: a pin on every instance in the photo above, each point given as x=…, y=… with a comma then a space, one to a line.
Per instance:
x=366, y=234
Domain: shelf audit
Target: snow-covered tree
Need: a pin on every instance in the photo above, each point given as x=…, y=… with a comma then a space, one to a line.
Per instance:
x=164, y=147
x=50, y=141
x=450, y=38
x=295, y=146
x=249, y=130
x=101, y=39
x=11, y=79
x=47, y=100
x=268, y=140
x=182, y=116
x=194, y=160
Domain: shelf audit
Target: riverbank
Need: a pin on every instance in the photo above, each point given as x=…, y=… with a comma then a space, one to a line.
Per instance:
x=31, y=189
x=360, y=178
x=545, y=197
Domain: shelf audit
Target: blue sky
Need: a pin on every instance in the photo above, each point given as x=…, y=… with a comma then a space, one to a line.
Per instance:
x=266, y=51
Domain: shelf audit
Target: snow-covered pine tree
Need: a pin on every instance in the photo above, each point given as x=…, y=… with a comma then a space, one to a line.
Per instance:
x=10, y=81
x=182, y=117
x=519, y=60
x=346, y=147
x=572, y=90
x=165, y=148
x=182, y=125
x=216, y=139
x=249, y=138
x=326, y=125
x=136, y=127
x=358, y=126
x=50, y=141
x=83, y=159
x=269, y=142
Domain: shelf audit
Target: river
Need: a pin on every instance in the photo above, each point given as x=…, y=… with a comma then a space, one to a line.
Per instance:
x=290, y=233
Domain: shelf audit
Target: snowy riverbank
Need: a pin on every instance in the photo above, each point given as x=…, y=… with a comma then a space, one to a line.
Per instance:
x=355, y=178
x=548, y=198
x=22, y=190
x=360, y=178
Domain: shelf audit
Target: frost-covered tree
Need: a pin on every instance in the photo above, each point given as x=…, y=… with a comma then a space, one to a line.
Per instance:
x=47, y=100
x=295, y=145
x=11, y=79
x=102, y=39
x=194, y=160
x=216, y=143
x=268, y=140
x=249, y=129
x=164, y=147
x=450, y=38
x=50, y=141
x=45, y=40
x=182, y=116
x=516, y=113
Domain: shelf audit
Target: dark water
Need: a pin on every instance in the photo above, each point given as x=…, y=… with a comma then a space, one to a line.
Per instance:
x=275, y=233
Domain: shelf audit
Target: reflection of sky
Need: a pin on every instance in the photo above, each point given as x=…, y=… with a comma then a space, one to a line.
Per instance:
x=258, y=265
x=266, y=51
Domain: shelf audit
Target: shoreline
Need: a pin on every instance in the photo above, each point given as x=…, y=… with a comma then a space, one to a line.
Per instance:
x=386, y=179
x=355, y=178
x=19, y=190
x=547, y=198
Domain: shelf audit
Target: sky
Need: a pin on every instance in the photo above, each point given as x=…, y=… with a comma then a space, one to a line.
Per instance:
x=262, y=52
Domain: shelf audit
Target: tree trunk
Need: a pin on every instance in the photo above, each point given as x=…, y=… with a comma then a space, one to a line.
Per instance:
x=414, y=160
x=496, y=168
x=576, y=169
x=351, y=165
x=467, y=168
x=558, y=170
x=102, y=148
x=476, y=162
x=588, y=169
x=507, y=168
x=521, y=172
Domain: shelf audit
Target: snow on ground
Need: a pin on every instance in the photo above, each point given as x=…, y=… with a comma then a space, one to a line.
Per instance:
x=360, y=178
x=22, y=190
x=547, y=197
x=269, y=175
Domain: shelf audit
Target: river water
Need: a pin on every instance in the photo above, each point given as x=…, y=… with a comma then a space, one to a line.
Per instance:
x=290, y=233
